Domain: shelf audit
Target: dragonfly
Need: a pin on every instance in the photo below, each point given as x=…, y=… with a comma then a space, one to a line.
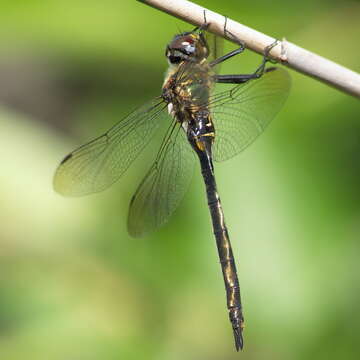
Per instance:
x=203, y=123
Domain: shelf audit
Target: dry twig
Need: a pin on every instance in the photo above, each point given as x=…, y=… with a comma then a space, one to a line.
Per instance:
x=287, y=53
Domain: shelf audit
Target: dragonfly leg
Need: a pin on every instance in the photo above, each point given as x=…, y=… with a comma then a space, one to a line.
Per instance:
x=242, y=78
x=233, y=37
x=261, y=69
x=235, y=79
x=232, y=53
x=227, y=56
x=204, y=25
x=239, y=78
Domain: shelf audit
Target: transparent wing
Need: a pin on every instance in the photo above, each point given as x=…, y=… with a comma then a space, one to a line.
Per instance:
x=242, y=113
x=216, y=48
x=96, y=165
x=164, y=186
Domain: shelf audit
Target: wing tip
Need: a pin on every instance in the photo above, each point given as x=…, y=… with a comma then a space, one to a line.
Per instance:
x=66, y=158
x=273, y=68
x=134, y=231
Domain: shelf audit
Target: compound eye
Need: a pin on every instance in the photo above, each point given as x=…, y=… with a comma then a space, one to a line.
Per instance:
x=188, y=46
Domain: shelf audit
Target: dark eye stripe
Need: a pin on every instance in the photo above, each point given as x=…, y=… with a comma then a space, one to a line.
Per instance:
x=175, y=59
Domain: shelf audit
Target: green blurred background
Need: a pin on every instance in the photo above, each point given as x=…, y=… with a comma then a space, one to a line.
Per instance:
x=75, y=286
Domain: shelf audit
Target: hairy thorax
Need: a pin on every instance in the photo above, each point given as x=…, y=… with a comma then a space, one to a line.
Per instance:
x=186, y=89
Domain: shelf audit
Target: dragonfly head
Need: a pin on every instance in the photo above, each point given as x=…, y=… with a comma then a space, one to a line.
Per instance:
x=187, y=46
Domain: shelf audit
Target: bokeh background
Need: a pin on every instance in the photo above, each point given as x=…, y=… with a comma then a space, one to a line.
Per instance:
x=75, y=286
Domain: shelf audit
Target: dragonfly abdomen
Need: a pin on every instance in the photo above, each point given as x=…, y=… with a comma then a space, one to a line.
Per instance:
x=223, y=245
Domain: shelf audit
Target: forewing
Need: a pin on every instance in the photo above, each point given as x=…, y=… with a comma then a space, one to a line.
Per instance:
x=96, y=165
x=216, y=48
x=163, y=187
x=241, y=114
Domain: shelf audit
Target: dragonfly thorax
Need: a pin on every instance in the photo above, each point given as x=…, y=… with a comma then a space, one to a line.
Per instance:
x=186, y=89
